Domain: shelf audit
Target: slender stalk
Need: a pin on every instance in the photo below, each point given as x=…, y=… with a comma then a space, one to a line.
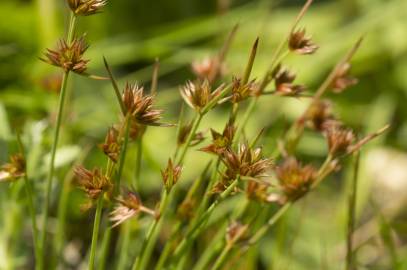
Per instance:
x=95, y=233
x=141, y=260
x=351, y=213
x=125, y=232
x=201, y=222
x=191, y=135
x=61, y=103
x=31, y=206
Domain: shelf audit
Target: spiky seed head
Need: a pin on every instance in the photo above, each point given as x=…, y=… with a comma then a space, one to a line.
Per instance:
x=295, y=179
x=300, y=43
x=111, y=146
x=320, y=116
x=283, y=80
x=128, y=206
x=94, y=183
x=245, y=162
x=235, y=232
x=339, y=139
x=13, y=170
x=198, y=94
x=140, y=106
x=67, y=56
x=207, y=69
x=342, y=79
x=171, y=174
x=221, y=142
x=242, y=91
x=86, y=7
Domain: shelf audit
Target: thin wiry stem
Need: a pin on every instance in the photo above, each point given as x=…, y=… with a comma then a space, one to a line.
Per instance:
x=95, y=233
x=351, y=213
x=31, y=205
x=141, y=260
x=200, y=224
x=54, y=149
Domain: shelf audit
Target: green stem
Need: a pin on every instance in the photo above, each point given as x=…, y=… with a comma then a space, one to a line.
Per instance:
x=200, y=223
x=351, y=213
x=191, y=135
x=125, y=232
x=31, y=206
x=146, y=248
x=95, y=233
x=245, y=119
x=54, y=149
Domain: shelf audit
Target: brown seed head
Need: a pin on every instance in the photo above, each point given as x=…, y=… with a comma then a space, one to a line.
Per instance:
x=242, y=91
x=94, y=183
x=86, y=7
x=111, y=146
x=257, y=191
x=245, y=162
x=140, y=106
x=301, y=44
x=198, y=94
x=221, y=142
x=295, y=180
x=339, y=139
x=171, y=175
x=128, y=206
x=320, y=116
x=283, y=80
x=207, y=69
x=68, y=56
x=342, y=79
x=14, y=169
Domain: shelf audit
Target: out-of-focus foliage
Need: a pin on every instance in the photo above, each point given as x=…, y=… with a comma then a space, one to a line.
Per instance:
x=131, y=34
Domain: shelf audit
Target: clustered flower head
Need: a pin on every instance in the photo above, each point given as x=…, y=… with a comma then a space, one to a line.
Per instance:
x=14, y=169
x=171, y=174
x=128, y=206
x=244, y=162
x=207, y=69
x=198, y=94
x=339, y=139
x=184, y=131
x=283, y=80
x=86, y=7
x=342, y=79
x=68, y=56
x=257, y=191
x=241, y=91
x=221, y=142
x=320, y=116
x=300, y=43
x=111, y=146
x=94, y=183
x=140, y=106
x=295, y=179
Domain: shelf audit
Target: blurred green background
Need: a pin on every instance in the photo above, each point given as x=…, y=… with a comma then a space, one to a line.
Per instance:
x=131, y=34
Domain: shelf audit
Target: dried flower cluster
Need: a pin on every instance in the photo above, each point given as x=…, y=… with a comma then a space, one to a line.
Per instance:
x=295, y=179
x=171, y=175
x=140, y=106
x=283, y=79
x=68, y=55
x=14, y=169
x=94, y=182
x=221, y=142
x=300, y=43
x=198, y=94
x=86, y=7
x=128, y=206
